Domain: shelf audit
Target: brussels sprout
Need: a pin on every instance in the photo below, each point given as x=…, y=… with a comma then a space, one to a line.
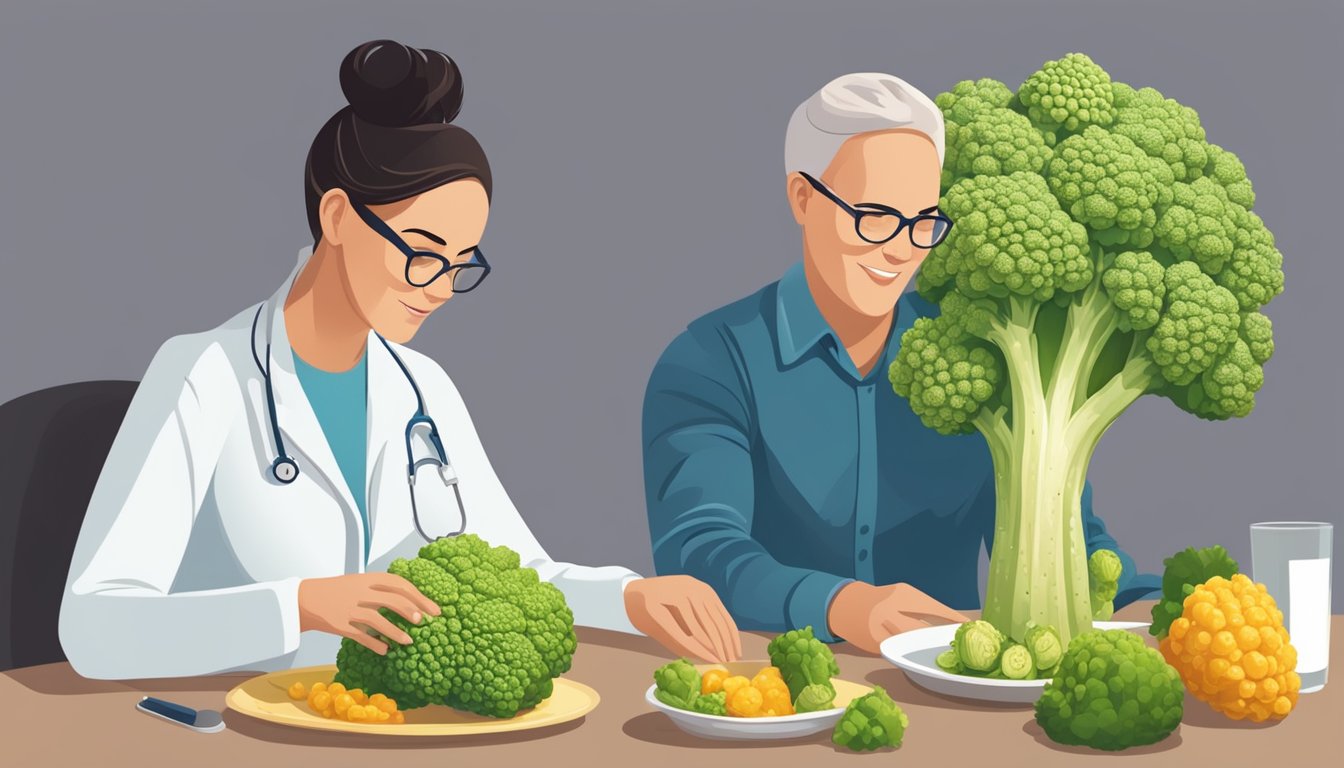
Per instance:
x=1044, y=644
x=978, y=644
x=1104, y=567
x=1016, y=663
x=949, y=661
x=814, y=698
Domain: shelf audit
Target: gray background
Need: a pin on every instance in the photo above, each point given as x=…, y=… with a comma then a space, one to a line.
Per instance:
x=151, y=157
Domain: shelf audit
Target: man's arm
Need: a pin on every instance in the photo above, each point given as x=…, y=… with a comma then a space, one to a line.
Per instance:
x=699, y=485
x=1133, y=585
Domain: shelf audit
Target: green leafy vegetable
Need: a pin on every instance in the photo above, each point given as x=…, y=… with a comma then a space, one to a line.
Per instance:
x=1185, y=570
x=678, y=684
x=803, y=660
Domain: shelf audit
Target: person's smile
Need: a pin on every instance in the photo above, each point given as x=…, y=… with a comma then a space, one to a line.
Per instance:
x=880, y=276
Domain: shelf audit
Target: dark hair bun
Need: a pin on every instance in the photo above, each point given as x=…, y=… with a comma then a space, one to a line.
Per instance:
x=391, y=84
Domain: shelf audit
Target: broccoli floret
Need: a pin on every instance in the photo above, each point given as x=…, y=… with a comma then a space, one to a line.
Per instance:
x=803, y=660
x=501, y=639
x=711, y=704
x=1011, y=238
x=1199, y=225
x=1258, y=333
x=969, y=98
x=1133, y=281
x=995, y=142
x=946, y=375
x=1183, y=571
x=1163, y=128
x=1111, y=692
x=872, y=721
x=1071, y=93
x=678, y=684
x=1110, y=185
x=1103, y=570
x=1228, y=170
x=1255, y=273
x=814, y=698
x=1199, y=325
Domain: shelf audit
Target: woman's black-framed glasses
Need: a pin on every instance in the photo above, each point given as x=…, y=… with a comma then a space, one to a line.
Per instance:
x=877, y=223
x=424, y=267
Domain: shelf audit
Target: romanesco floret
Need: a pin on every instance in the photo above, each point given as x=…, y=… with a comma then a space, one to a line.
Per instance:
x=502, y=638
x=1111, y=692
x=1134, y=283
x=1070, y=93
x=1199, y=325
x=803, y=660
x=1110, y=185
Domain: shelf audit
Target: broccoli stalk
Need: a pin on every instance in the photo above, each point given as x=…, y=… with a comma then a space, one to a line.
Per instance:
x=1075, y=281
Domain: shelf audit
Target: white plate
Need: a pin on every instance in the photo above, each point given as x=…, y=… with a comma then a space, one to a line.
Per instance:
x=914, y=653
x=786, y=727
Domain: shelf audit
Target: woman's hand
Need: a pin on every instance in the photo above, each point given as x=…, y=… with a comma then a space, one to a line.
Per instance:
x=348, y=606
x=866, y=615
x=685, y=615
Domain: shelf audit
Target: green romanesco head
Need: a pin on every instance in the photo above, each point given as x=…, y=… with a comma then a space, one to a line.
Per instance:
x=1070, y=93
x=872, y=721
x=1110, y=185
x=1010, y=238
x=1163, y=128
x=1134, y=282
x=803, y=660
x=1111, y=692
x=502, y=638
x=1200, y=324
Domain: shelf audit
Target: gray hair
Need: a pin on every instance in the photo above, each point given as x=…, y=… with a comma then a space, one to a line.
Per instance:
x=853, y=104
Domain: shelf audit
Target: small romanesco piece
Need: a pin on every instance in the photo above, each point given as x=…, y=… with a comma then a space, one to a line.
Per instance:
x=872, y=721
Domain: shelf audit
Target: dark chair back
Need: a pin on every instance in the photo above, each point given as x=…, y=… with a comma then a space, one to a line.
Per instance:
x=52, y=447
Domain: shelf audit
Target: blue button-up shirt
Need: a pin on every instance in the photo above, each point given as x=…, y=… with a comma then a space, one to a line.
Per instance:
x=777, y=474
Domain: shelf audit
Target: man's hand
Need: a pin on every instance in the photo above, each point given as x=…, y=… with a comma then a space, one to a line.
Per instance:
x=685, y=615
x=866, y=615
x=348, y=606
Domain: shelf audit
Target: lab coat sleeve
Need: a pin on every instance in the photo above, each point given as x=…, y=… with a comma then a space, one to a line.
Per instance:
x=594, y=594
x=119, y=616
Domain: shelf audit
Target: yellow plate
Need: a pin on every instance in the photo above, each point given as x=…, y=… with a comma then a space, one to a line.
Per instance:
x=266, y=697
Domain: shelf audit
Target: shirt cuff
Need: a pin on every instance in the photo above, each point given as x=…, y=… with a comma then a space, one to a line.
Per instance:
x=810, y=601
x=626, y=581
x=287, y=597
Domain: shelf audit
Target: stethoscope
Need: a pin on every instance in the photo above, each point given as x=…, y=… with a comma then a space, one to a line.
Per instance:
x=285, y=470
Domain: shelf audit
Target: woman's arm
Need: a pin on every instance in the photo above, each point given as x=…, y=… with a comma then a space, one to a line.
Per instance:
x=119, y=617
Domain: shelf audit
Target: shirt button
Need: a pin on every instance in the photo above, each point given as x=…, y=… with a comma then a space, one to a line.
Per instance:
x=864, y=529
x=863, y=555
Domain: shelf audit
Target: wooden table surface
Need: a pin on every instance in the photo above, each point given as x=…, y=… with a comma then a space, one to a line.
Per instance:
x=51, y=716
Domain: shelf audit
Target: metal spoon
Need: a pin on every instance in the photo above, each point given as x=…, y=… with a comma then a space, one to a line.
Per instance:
x=201, y=721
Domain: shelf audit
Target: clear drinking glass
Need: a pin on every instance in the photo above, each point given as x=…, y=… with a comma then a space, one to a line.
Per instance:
x=1292, y=560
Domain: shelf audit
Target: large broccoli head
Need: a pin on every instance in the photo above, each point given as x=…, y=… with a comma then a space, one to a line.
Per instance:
x=1111, y=692
x=1072, y=190
x=503, y=636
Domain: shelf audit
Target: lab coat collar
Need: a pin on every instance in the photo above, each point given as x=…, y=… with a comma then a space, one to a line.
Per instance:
x=390, y=402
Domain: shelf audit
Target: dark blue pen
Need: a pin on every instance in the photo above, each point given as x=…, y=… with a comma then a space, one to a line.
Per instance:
x=203, y=721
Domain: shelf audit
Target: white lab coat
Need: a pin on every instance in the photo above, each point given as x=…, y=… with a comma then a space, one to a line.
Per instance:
x=191, y=553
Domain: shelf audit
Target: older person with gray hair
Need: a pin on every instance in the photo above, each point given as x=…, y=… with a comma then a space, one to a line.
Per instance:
x=779, y=465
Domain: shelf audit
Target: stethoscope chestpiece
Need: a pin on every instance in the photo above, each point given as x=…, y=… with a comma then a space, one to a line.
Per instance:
x=284, y=470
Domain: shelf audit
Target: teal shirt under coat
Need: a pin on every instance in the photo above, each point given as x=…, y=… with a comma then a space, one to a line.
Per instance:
x=340, y=402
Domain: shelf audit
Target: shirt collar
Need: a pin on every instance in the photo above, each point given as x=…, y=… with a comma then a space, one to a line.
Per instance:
x=800, y=325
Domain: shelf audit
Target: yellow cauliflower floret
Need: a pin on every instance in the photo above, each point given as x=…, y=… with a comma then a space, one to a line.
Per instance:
x=712, y=681
x=1232, y=650
x=774, y=691
x=733, y=683
x=745, y=701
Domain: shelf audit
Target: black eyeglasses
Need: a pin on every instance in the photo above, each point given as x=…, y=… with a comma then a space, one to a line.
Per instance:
x=424, y=267
x=882, y=223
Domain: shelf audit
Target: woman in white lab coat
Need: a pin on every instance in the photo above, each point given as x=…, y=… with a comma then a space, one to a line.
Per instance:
x=258, y=490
